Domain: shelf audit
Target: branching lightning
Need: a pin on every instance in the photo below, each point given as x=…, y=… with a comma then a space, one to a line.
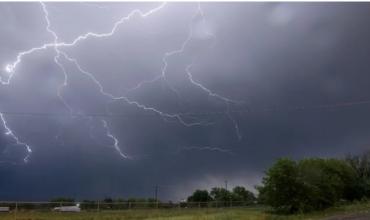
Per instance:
x=10, y=133
x=56, y=45
x=227, y=101
x=224, y=99
x=57, y=56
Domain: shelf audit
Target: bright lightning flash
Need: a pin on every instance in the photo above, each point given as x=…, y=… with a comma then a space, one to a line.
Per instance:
x=56, y=45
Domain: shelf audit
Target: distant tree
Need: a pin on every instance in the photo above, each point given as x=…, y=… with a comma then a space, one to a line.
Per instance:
x=240, y=194
x=107, y=203
x=200, y=196
x=108, y=200
x=222, y=196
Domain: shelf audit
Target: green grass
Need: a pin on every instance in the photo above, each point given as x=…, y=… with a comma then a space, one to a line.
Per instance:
x=185, y=214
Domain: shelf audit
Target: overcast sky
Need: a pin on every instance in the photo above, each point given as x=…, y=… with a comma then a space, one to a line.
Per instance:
x=110, y=99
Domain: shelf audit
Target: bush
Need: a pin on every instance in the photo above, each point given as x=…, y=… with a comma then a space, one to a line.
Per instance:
x=310, y=184
x=281, y=187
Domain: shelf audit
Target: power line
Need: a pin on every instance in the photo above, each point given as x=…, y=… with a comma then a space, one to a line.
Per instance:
x=205, y=113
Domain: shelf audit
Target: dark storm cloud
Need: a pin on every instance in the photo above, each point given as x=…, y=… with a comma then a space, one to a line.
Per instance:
x=285, y=61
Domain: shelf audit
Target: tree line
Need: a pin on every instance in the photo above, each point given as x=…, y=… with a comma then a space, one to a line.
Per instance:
x=223, y=197
x=310, y=184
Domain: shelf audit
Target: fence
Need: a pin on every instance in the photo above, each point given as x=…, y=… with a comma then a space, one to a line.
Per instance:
x=97, y=206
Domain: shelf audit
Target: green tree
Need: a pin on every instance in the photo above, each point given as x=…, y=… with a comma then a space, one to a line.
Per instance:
x=281, y=186
x=240, y=194
x=361, y=165
x=326, y=181
x=222, y=196
x=199, y=196
x=310, y=184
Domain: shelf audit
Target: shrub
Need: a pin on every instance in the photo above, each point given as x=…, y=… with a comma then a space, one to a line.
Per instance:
x=310, y=184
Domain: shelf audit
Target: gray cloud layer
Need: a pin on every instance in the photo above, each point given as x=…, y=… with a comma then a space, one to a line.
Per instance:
x=300, y=69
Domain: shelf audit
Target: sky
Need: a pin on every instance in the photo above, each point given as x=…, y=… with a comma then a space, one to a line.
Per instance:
x=111, y=99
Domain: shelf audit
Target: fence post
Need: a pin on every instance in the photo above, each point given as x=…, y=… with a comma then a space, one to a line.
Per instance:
x=98, y=206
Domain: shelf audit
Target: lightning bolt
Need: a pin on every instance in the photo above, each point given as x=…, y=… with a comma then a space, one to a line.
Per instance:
x=227, y=101
x=10, y=133
x=57, y=57
x=210, y=93
x=10, y=68
x=129, y=101
x=115, y=140
x=56, y=45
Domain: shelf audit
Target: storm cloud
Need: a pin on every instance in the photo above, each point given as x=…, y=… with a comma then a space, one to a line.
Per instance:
x=208, y=92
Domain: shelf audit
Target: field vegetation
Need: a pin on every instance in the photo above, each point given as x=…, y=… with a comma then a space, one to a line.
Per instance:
x=255, y=213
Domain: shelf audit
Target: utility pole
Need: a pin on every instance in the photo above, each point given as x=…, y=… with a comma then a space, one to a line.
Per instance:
x=226, y=192
x=156, y=193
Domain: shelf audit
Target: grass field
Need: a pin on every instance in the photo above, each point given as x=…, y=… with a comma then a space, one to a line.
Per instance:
x=183, y=214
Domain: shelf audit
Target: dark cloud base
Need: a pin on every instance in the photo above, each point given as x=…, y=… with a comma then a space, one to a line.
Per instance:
x=301, y=70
